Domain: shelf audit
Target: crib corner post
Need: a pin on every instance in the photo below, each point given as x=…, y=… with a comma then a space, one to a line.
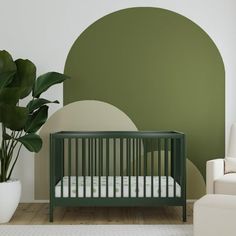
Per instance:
x=184, y=213
x=51, y=212
x=52, y=176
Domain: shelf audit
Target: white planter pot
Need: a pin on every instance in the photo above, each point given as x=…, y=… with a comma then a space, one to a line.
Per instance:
x=10, y=193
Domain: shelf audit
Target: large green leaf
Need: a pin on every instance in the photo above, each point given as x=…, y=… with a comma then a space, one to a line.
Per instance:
x=13, y=117
x=9, y=96
x=36, y=120
x=32, y=142
x=24, y=77
x=45, y=81
x=7, y=68
x=37, y=103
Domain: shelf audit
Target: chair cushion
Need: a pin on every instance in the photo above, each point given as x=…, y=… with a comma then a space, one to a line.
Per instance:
x=230, y=165
x=214, y=215
x=220, y=201
x=226, y=184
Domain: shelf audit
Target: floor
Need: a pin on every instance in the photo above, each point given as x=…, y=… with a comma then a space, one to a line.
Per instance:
x=37, y=213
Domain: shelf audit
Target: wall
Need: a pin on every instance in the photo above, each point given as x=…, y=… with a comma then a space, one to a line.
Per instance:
x=159, y=68
x=44, y=31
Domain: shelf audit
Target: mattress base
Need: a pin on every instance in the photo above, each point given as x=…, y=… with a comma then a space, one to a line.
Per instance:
x=137, y=186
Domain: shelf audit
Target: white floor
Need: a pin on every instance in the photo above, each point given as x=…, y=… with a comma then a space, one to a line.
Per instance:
x=96, y=230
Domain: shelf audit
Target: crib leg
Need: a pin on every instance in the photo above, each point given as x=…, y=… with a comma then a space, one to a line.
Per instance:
x=184, y=212
x=51, y=213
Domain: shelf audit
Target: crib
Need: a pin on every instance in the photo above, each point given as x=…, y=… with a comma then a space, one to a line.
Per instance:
x=117, y=168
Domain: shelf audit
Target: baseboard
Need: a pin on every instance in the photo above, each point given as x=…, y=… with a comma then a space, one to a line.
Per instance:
x=191, y=200
x=36, y=201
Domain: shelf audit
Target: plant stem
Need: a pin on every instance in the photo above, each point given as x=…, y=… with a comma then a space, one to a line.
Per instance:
x=14, y=143
x=13, y=165
x=4, y=155
x=10, y=141
x=11, y=150
x=10, y=147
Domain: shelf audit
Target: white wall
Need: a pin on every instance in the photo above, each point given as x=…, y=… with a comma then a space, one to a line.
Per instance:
x=44, y=31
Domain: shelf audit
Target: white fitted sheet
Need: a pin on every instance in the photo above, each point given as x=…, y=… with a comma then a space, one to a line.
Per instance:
x=118, y=186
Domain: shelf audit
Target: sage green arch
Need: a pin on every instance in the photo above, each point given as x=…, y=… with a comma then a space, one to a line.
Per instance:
x=158, y=67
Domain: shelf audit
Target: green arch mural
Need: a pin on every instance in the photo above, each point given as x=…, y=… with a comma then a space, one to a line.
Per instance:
x=158, y=67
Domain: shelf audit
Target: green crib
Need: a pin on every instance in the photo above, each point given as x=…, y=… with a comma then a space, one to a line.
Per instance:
x=117, y=168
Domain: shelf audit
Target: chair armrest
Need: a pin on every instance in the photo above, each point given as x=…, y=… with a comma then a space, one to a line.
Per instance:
x=214, y=170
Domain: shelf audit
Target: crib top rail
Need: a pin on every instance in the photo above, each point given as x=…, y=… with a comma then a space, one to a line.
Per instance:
x=118, y=134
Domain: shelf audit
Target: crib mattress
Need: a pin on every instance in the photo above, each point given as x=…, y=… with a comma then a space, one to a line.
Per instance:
x=118, y=181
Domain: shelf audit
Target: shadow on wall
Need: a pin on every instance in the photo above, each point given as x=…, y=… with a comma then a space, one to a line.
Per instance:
x=83, y=116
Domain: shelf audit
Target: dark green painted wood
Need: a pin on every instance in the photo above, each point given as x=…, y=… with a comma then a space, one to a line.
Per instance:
x=159, y=167
x=151, y=142
x=92, y=170
x=76, y=165
x=152, y=166
x=52, y=176
x=166, y=165
x=145, y=165
x=61, y=161
x=118, y=202
x=114, y=167
x=129, y=165
x=69, y=165
x=84, y=163
x=121, y=166
x=107, y=166
x=100, y=166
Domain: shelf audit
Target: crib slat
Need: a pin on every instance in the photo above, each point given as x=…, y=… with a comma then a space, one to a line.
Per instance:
x=95, y=153
x=136, y=159
x=99, y=166
x=84, y=164
x=152, y=166
x=114, y=167
x=166, y=167
x=145, y=166
x=89, y=157
x=76, y=166
x=159, y=166
x=139, y=159
x=174, y=165
x=139, y=156
x=62, y=168
x=107, y=166
x=88, y=176
x=182, y=167
x=69, y=166
x=127, y=161
x=133, y=144
x=102, y=157
x=183, y=176
x=91, y=170
x=121, y=167
x=129, y=166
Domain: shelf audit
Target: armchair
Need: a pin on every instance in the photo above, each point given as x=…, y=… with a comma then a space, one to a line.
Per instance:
x=221, y=173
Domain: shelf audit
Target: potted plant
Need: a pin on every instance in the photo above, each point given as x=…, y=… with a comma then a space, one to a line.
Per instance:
x=19, y=124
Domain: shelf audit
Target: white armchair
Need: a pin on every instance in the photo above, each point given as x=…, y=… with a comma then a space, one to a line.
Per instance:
x=221, y=173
